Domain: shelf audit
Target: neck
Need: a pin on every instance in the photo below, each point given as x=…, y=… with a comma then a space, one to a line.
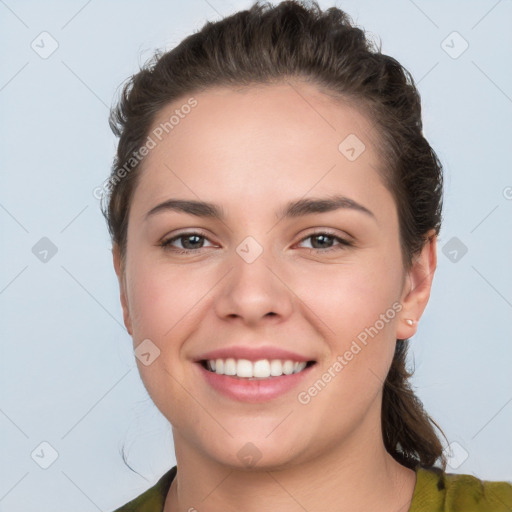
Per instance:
x=344, y=478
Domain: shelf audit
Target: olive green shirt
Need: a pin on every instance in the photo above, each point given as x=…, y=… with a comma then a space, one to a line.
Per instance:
x=435, y=491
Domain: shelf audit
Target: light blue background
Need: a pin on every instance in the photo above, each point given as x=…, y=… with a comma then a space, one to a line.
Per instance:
x=68, y=374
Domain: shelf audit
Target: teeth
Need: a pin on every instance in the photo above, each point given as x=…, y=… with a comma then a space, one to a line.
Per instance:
x=230, y=367
x=288, y=367
x=244, y=368
x=276, y=368
x=261, y=369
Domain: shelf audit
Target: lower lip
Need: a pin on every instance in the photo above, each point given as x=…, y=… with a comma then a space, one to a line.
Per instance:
x=256, y=390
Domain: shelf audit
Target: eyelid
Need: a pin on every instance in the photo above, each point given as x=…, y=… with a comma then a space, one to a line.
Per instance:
x=343, y=242
x=185, y=232
x=328, y=231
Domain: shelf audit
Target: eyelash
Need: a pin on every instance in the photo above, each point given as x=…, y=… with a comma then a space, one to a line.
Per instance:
x=166, y=244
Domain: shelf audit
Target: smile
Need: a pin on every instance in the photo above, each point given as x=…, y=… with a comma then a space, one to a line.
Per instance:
x=261, y=369
x=254, y=381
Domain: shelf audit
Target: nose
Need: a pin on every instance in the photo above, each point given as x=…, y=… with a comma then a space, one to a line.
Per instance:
x=254, y=291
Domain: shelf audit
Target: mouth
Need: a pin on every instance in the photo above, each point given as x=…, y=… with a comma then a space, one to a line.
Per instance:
x=261, y=369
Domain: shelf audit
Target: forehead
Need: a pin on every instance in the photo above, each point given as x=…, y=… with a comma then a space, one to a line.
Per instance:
x=259, y=141
x=262, y=111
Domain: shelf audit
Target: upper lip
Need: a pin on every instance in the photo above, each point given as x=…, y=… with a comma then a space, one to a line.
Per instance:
x=253, y=354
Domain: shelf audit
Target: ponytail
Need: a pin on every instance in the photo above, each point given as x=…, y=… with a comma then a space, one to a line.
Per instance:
x=407, y=429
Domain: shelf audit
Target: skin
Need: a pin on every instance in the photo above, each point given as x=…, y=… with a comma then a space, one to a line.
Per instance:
x=251, y=151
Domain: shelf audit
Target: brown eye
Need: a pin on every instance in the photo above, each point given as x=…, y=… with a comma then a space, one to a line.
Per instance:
x=322, y=242
x=190, y=242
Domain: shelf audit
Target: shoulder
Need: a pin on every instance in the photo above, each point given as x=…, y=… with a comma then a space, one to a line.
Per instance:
x=153, y=499
x=437, y=491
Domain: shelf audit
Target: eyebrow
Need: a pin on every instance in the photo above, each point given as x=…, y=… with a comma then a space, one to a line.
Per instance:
x=292, y=209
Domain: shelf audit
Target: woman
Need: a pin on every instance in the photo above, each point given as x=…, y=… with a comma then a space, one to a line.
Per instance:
x=274, y=211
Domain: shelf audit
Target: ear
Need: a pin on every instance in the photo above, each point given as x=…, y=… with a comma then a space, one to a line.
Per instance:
x=417, y=286
x=116, y=254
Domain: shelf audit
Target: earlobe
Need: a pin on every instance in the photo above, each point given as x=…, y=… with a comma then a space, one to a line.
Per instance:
x=418, y=284
x=116, y=255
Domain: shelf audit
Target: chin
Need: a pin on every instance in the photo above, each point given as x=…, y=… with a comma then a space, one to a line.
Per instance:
x=257, y=453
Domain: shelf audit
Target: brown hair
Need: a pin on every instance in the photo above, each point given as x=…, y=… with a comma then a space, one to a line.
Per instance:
x=267, y=44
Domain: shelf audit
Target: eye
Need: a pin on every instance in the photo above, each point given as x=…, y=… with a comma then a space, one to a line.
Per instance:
x=191, y=241
x=323, y=239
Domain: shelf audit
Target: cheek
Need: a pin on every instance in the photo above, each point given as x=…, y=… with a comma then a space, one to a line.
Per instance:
x=162, y=304
x=355, y=305
x=163, y=298
x=165, y=302
x=351, y=296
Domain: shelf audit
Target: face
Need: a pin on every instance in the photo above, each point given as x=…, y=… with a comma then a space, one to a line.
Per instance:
x=266, y=273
